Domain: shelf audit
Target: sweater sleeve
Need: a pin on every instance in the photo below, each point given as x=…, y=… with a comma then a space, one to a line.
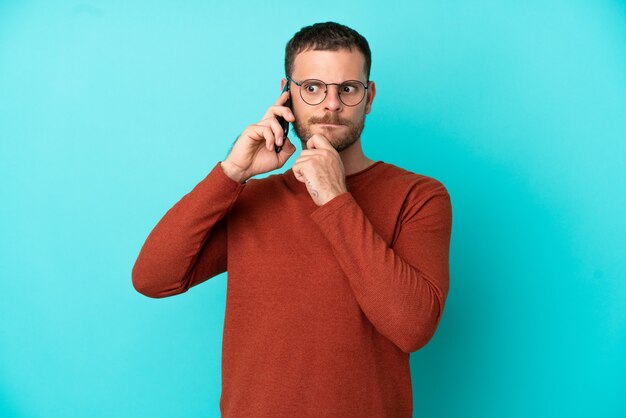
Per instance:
x=401, y=289
x=188, y=245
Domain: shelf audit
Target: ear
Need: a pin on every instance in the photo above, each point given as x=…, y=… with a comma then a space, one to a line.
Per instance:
x=283, y=81
x=371, y=92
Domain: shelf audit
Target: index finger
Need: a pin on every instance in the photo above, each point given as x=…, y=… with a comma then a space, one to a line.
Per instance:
x=282, y=98
x=318, y=141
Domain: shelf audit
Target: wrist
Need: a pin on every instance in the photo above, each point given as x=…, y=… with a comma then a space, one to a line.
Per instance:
x=233, y=172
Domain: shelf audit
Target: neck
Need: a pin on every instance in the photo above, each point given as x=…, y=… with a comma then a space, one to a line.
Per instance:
x=353, y=158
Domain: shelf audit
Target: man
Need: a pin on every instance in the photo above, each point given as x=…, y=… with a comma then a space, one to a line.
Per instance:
x=337, y=268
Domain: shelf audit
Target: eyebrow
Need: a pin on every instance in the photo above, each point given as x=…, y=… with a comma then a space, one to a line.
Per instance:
x=348, y=79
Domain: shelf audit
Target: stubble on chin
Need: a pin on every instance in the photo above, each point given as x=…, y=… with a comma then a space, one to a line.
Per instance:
x=339, y=141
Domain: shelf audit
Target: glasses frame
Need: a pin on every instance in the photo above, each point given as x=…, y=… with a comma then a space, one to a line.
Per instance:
x=366, y=86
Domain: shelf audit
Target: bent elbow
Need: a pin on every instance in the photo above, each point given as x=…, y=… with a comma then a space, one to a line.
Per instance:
x=149, y=285
x=419, y=333
x=141, y=287
x=415, y=341
x=142, y=284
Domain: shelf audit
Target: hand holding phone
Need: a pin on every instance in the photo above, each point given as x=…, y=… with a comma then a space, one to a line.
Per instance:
x=251, y=154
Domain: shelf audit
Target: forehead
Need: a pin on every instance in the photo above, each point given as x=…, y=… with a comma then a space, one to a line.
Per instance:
x=330, y=66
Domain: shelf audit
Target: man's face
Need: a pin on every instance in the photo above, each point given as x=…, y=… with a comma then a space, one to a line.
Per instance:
x=330, y=67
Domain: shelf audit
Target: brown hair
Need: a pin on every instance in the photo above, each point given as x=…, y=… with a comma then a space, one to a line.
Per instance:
x=327, y=36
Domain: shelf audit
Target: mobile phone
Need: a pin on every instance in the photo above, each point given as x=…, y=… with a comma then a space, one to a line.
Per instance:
x=283, y=123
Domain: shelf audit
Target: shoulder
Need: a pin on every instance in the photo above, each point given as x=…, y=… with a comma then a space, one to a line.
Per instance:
x=425, y=199
x=416, y=185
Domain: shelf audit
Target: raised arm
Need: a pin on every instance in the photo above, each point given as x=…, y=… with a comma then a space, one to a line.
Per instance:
x=402, y=290
x=188, y=245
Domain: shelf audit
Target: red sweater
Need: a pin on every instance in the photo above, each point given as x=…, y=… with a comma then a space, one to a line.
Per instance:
x=324, y=304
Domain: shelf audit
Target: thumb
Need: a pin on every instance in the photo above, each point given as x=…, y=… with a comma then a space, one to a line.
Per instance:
x=287, y=150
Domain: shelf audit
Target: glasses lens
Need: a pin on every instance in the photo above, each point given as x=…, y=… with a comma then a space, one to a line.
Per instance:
x=351, y=93
x=313, y=91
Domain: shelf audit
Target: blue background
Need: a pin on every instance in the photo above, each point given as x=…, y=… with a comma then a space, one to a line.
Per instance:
x=111, y=111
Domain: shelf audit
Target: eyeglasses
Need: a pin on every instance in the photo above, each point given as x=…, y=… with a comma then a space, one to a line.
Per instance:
x=313, y=91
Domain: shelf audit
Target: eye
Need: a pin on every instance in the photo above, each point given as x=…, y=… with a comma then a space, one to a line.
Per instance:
x=349, y=88
x=312, y=86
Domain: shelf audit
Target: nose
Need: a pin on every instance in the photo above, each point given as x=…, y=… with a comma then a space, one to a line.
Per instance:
x=332, y=101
